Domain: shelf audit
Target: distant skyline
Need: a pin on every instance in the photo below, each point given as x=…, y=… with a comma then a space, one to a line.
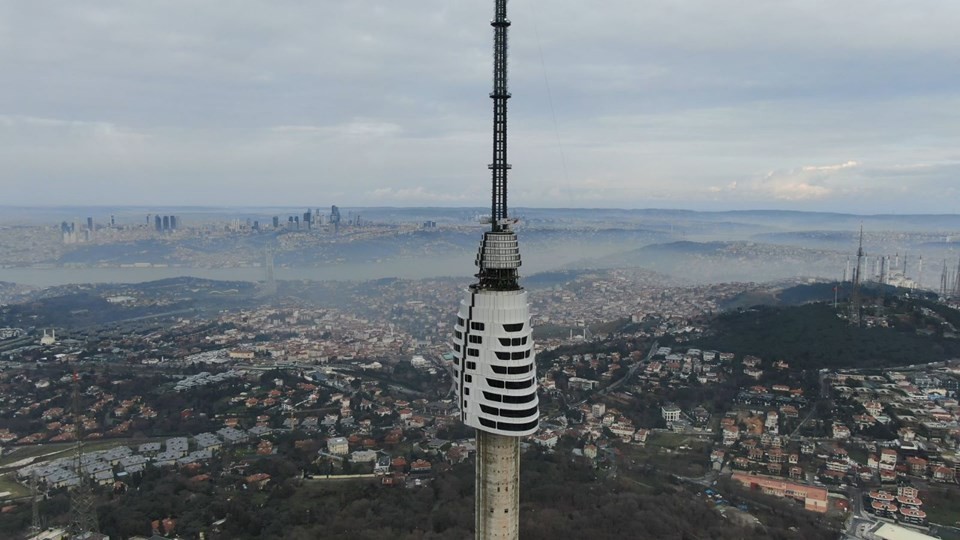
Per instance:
x=799, y=105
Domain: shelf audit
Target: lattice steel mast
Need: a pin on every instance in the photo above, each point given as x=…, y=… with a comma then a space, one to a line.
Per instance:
x=36, y=526
x=83, y=514
x=500, y=95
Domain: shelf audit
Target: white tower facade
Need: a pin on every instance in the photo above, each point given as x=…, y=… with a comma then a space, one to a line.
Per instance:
x=495, y=367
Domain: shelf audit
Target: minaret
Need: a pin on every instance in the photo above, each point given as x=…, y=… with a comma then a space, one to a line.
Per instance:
x=494, y=367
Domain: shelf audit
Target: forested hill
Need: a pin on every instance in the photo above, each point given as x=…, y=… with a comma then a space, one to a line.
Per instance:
x=825, y=291
x=813, y=336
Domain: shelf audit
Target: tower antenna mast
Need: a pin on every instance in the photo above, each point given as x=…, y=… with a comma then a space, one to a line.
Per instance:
x=500, y=95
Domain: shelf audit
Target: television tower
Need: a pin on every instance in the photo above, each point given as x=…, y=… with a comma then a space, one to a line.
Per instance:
x=494, y=361
x=855, y=295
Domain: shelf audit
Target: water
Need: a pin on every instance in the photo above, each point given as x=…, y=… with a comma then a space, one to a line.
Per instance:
x=459, y=265
x=48, y=277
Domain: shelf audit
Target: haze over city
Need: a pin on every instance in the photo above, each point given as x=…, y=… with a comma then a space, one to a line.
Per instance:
x=803, y=105
x=261, y=278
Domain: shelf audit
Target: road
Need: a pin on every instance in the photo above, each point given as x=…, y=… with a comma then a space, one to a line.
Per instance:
x=625, y=378
x=438, y=361
x=706, y=480
x=633, y=369
x=824, y=394
x=859, y=521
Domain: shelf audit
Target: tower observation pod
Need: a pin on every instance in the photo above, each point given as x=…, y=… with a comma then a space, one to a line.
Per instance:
x=494, y=358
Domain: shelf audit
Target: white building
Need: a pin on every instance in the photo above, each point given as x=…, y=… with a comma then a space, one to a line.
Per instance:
x=670, y=412
x=338, y=446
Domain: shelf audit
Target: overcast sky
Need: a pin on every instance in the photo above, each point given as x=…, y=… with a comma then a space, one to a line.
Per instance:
x=796, y=104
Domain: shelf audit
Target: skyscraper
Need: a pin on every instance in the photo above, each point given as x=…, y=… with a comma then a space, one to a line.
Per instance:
x=335, y=218
x=494, y=360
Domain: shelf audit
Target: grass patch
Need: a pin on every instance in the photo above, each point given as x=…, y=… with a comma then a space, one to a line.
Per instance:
x=46, y=452
x=8, y=483
x=943, y=506
x=858, y=454
x=666, y=440
x=946, y=533
x=24, y=452
x=554, y=331
x=636, y=458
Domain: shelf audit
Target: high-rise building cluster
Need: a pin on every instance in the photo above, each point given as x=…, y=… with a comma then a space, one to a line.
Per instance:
x=315, y=219
x=77, y=232
x=163, y=224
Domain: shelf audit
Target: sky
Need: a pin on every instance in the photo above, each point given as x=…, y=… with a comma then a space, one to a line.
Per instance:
x=849, y=106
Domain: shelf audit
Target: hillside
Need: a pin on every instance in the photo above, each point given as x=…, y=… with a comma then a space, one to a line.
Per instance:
x=807, y=293
x=813, y=336
x=726, y=261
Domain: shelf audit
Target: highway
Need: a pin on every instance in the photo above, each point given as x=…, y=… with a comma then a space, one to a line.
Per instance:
x=633, y=369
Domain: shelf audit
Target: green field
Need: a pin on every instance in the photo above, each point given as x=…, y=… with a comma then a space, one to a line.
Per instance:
x=858, y=454
x=55, y=450
x=943, y=506
x=666, y=440
x=661, y=452
x=25, y=452
x=9, y=483
x=674, y=441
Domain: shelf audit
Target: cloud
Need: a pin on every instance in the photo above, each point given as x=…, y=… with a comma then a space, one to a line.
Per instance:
x=828, y=168
x=679, y=104
x=360, y=128
x=809, y=182
x=799, y=190
x=27, y=127
x=417, y=194
x=732, y=186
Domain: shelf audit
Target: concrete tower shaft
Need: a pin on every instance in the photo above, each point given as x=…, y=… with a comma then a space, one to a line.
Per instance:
x=498, y=487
